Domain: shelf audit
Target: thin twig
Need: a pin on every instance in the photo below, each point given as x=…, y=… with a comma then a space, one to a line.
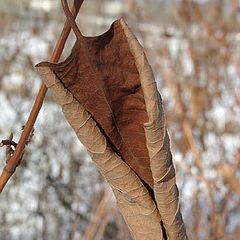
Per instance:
x=169, y=77
x=9, y=169
x=97, y=217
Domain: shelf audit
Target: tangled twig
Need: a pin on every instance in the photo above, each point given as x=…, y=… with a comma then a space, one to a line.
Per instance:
x=10, y=148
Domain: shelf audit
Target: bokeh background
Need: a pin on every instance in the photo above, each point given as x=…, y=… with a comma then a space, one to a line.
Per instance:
x=194, y=49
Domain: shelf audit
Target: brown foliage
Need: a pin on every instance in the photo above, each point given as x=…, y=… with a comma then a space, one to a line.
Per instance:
x=101, y=74
x=108, y=94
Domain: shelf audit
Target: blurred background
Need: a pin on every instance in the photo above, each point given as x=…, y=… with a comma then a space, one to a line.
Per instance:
x=194, y=49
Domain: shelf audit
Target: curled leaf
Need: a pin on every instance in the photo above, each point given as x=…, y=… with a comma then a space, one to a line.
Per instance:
x=108, y=94
x=101, y=74
x=134, y=201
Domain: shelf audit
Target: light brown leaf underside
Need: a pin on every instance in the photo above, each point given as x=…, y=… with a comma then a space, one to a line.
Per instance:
x=134, y=201
x=163, y=172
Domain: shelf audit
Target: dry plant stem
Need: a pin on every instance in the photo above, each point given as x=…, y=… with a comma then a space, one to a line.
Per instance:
x=13, y=162
x=169, y=76
x=97, y=217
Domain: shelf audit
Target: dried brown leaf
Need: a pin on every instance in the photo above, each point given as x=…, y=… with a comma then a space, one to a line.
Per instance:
x=108, y=94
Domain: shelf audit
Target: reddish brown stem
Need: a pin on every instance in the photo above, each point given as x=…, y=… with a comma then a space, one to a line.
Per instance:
x=14, y=160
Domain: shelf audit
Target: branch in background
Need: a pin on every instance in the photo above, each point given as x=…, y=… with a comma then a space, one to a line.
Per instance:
x=169, y=76
x=14, y=160
x=97, y=217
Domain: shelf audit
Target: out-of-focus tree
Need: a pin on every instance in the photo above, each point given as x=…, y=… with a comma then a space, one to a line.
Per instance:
x=193, y=47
